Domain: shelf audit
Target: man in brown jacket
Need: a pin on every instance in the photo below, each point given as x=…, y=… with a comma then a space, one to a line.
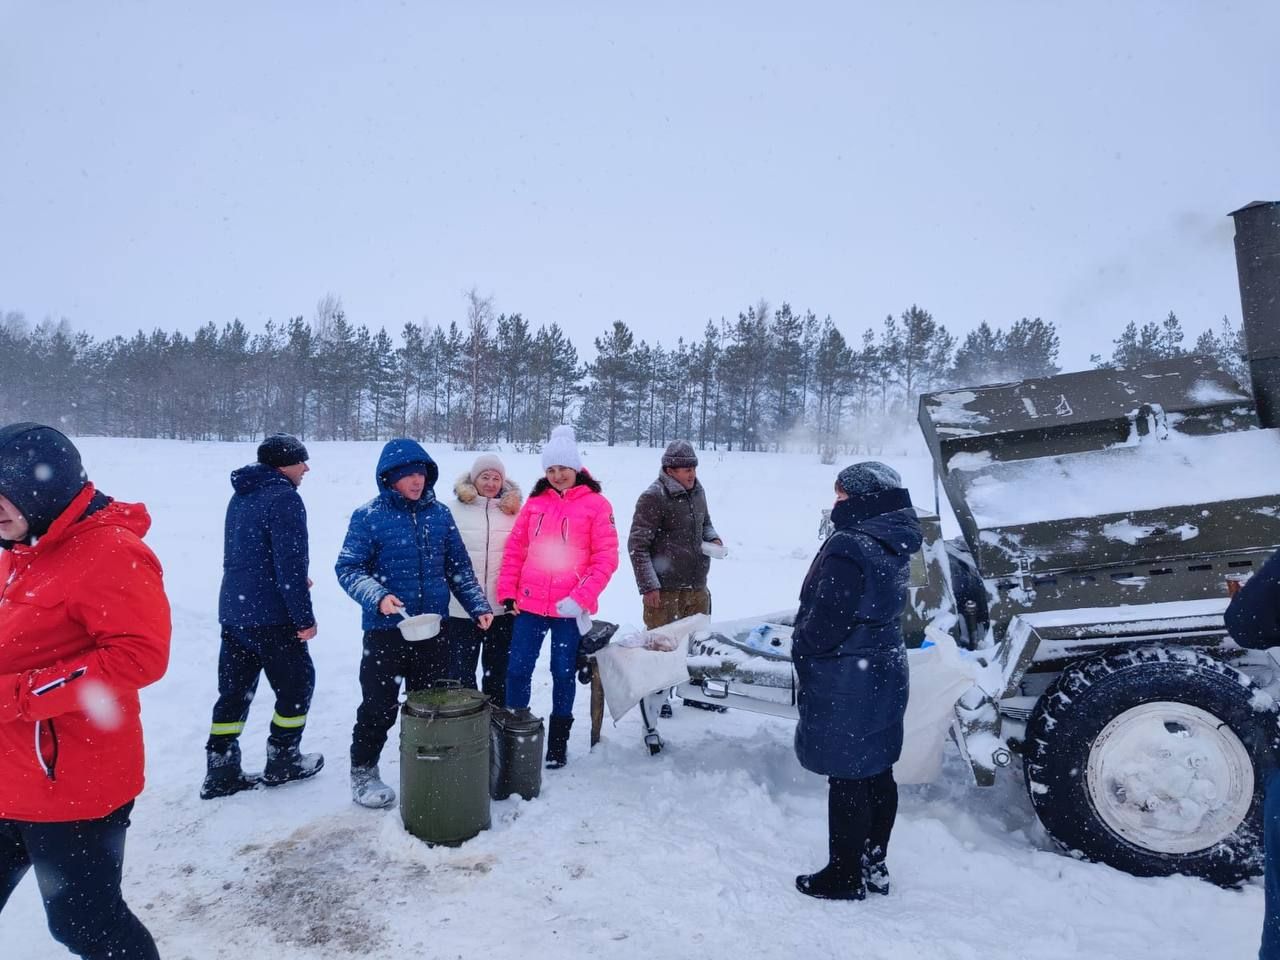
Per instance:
x=670, y=533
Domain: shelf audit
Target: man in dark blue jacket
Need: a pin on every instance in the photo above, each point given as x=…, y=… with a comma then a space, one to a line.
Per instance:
x=1253, y=620
x=852, y=671
x=265, y=611
x=402, y=554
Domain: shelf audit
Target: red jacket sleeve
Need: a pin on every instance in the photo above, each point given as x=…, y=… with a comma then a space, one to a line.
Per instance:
x=120, y=603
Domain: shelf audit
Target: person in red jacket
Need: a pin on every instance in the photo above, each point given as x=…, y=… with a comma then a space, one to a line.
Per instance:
x=557, y=561
x=84, y=623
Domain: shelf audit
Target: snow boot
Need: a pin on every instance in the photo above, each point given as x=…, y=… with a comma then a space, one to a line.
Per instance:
x=654, y=743
x=832, y=883
x=558, y=742
x=224, y=776
x=841, y=878
x=285, y=764
x=368, y=790
x=875, y=875
x=665, y=713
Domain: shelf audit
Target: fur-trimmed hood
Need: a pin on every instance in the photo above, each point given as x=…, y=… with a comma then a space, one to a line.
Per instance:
x=509, y=498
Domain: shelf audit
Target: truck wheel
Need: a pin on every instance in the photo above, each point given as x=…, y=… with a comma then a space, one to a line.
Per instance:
x=1148, y=760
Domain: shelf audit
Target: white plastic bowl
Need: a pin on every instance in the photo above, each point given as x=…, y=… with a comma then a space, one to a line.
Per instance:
x=422, y=627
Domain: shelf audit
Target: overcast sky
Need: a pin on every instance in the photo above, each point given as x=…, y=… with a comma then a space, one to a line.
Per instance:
x=169, y=164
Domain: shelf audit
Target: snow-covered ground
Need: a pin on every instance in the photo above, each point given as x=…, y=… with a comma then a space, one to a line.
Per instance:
x=689, y=854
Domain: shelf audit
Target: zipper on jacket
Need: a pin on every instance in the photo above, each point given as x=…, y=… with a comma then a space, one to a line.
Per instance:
x=484, y=584
x=422, y=574
x=50, y=768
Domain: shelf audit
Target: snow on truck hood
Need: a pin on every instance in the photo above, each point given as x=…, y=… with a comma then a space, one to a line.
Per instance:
x=1178, y=471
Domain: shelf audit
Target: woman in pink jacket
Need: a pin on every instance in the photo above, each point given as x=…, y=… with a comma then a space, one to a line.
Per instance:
x=558, y=559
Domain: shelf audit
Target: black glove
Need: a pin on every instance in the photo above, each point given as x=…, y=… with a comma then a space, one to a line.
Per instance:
x=508, y=605
x=584, y=670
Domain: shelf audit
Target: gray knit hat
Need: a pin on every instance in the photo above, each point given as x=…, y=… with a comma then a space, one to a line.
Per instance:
x=869, y=476
x=488, y=461
x=679, y=453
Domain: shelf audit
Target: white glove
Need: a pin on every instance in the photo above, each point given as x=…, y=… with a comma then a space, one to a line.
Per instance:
x=568, y=607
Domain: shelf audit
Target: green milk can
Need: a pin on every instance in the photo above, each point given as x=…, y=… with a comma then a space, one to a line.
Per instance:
x=444, y=764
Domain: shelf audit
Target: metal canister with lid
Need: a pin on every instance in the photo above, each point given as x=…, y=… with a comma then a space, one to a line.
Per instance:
x=444, y=764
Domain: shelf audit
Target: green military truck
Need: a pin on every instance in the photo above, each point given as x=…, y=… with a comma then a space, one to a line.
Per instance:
x=1105, y=516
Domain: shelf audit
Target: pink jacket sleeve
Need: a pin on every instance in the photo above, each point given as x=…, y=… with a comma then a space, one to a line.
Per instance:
x=603, y=561
x=513, y=555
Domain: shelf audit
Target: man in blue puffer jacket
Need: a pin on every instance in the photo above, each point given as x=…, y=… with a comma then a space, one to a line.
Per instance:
x=852, y=671
x=402, y=552
x=264, y=608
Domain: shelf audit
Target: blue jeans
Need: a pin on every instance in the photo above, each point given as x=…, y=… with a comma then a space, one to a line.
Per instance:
x=526, y=644
x=78, y=865
x=1270, y=949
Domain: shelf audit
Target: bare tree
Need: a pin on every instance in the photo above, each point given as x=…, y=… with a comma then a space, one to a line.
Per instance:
x=328, y=308
x=479, y=316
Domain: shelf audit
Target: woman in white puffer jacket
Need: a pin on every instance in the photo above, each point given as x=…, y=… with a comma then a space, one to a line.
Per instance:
x=486, y=509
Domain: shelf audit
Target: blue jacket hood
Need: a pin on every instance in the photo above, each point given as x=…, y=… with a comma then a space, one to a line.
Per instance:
x=255, y=476
x=403, y=451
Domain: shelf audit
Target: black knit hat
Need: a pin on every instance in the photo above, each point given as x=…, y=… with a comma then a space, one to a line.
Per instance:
x=40, y=473
x=396, y=474
x=281, y=450
x=679, y=453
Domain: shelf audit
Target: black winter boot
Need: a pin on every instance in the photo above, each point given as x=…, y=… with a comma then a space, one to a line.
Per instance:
x=848, y=818
x=558, y=742
x=285, y=763
x=223, y=776
x=832, y=882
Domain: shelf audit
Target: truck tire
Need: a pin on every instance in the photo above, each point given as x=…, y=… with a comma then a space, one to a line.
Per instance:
x=1151, y=760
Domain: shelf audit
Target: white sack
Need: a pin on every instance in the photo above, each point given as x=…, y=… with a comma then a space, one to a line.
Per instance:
x=627, y=674
x=939, y=676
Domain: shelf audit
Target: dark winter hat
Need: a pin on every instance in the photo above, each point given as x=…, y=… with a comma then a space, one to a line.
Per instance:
x=679, y=453
x=40, y=472
x=281, y=450
x=396, y=474
x=869, y=476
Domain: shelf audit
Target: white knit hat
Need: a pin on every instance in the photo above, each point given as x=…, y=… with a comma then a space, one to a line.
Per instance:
x=562, y=449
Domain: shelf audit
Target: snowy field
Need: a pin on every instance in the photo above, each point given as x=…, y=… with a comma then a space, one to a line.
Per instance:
x=690, y=854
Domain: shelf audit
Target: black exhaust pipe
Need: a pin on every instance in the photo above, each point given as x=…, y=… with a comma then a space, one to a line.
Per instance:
x=1258, y=263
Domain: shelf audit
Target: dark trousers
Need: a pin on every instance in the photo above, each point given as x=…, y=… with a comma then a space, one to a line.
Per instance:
x=389, y=658
x=78, y=865
x=860, y=817
x=469, y=645
x=1270, y=949
x=526, y=642
x=248, y=652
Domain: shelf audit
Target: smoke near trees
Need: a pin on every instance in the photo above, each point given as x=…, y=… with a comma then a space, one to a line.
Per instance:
x=772, y=377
